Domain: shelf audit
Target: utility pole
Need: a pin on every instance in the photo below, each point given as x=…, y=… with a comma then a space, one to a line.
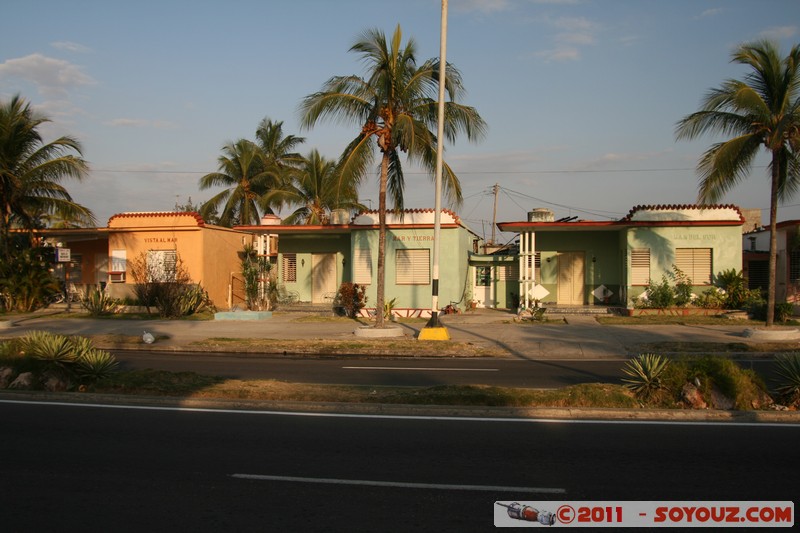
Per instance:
x=496, y=188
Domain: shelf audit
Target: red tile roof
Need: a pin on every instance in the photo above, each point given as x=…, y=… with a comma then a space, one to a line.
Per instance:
x=155, y=214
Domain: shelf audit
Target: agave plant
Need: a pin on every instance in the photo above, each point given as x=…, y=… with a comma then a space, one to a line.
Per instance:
x=49, y=347
x=95, y=364
x=645, y=374
x=99, y=303
x=789, y=371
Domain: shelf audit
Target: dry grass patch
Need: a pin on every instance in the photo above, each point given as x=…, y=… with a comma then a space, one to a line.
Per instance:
x=191, y=385
x=396, y=347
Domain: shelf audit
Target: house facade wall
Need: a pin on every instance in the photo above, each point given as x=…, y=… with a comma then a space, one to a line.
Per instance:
x=208, y=253
x=303, y=248
x=724, y=242
x=455, y=246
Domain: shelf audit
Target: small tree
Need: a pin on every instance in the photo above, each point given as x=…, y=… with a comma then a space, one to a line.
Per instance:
x=165, y=285
x=26, y=282
x=260, y=287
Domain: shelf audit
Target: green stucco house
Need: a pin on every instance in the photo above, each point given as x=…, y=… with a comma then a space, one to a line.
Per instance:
x=313, y=261
x=584, y=262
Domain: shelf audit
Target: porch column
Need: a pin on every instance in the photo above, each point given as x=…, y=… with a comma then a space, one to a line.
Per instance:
x=527, y=266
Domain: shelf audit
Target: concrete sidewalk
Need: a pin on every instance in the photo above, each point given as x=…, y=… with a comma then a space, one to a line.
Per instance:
x=579, y=337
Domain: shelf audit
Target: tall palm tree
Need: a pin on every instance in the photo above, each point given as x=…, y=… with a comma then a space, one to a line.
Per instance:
x=762, y=110
x=31, y=172
x=243, y=170
x=315, y=191
x=279, y=149
x=397, y=104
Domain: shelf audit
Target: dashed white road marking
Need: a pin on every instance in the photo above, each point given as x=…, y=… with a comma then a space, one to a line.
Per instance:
x=400, y=484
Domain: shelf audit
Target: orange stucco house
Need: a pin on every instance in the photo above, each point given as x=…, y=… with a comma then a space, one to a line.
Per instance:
x=102, y=256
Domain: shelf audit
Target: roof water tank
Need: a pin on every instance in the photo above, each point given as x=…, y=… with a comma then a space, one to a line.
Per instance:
x=541, y=214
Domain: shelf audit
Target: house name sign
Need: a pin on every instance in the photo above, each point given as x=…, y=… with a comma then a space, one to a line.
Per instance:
x=151, y=240
x=694, y=237
x=413, y=237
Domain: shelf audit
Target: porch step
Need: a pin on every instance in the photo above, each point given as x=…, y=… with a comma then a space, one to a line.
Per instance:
x=306, y=307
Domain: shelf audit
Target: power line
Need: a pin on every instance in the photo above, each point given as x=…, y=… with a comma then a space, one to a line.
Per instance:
x=500, y=172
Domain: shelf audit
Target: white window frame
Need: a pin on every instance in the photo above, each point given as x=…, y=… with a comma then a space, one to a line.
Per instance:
x=413, y=266
x=119, y=266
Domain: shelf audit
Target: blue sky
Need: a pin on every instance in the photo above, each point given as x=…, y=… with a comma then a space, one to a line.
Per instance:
x=581, y=96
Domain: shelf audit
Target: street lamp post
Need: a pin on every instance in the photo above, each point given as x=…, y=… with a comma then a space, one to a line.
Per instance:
x=433, y=330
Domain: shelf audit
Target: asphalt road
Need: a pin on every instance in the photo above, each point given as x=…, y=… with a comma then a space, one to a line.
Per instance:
x=418, y=372
x=92, y=468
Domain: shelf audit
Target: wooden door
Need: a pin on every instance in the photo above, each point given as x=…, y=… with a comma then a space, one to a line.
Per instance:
x=323, y=277
x=571, y=271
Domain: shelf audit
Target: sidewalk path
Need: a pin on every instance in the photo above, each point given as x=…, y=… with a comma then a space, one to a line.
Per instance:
x=581, y=337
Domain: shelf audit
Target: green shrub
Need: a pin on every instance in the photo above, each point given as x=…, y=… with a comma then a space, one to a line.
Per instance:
x=661, y=295
x=26, y=283
x=645, y=371
x=713, y=298
x=783, y=311
x=683, y=287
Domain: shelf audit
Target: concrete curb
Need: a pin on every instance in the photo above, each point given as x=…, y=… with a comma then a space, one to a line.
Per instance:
x=405, y=410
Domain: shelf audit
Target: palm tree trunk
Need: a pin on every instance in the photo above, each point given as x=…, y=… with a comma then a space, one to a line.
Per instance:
x=381, y=289
x=773, y=239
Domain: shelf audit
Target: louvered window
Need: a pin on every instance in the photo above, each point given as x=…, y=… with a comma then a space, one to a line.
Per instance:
x=362, y=266
x=640, y=266
x=508, y=272
x=413, y=266
x=695, y=263
x=289, y=268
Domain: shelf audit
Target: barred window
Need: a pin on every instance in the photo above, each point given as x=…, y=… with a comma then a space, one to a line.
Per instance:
x=695, y=263
x=413, y=266
x=794, y=265
x=640, y=266
x=162, y=265
x=289, y=268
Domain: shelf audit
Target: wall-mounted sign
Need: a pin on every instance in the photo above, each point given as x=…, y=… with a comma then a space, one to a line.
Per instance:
x=63, y=255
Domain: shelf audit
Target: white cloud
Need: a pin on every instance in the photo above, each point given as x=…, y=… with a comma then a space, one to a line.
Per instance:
x=575, y=32
x=779, y=32
x=573, y=23
x=141, y=123
x=710, y=13
x=69, y=46
x=561, y=53
x=483, y=6
x=53, y=78
x=617, y=159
